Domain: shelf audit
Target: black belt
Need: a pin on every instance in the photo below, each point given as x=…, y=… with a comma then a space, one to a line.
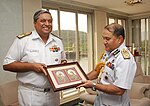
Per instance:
x=47, y=89
x=32, y=87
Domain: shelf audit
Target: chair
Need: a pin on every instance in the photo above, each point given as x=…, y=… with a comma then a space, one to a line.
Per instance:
x=141, y=78
x=88, y=96
x=139, y=93
x=136, y=93
x=9, y=93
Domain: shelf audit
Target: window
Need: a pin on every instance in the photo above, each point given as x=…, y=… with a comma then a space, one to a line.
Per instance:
x=83, y=50
x=72, y=28
x=120, y=21
x=140, y=33
x=55, y=22
x=144, y=45
x=116, y=20
x=68, y=33
x=111, y=20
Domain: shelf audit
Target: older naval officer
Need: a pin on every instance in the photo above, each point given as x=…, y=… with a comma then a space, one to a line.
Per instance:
x=29, y=55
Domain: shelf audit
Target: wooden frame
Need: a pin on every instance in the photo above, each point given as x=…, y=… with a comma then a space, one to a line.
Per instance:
x=64, y=76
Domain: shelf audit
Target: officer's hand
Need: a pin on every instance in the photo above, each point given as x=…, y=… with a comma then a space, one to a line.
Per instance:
x=39, y=67
x=85, y=84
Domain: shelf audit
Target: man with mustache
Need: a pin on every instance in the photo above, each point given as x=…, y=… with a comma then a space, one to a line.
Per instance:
x=115, y=72
x=29, y=55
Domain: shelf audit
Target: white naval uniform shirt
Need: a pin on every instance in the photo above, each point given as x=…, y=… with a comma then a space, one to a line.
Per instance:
x=119, y=72
x=33, y=50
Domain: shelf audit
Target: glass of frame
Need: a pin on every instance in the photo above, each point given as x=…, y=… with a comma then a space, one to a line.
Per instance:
x=64, y=76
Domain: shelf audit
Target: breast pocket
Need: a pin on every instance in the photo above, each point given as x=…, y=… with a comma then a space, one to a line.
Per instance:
x=108, y=75
x=33, y=55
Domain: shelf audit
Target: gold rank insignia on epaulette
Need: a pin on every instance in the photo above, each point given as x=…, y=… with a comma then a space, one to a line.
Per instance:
x=115, y=53
x=24, y=34
x=101, y=55
x=125, y=54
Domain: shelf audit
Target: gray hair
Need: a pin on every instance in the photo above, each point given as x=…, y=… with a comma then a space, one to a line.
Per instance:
x=116, y=29
x=38, y=13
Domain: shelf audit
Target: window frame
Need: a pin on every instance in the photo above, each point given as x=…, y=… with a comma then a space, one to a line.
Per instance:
x=73, y=93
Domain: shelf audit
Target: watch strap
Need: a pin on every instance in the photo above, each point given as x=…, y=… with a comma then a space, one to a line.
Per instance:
x=94, y=87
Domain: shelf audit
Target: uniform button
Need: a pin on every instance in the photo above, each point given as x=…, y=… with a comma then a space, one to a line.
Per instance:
x=56, y=59
x=106, y=77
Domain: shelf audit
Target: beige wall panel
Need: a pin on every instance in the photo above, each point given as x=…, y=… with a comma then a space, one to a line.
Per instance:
x=11, y=26
x=29, y=8
x=100, y=23
x=16, y=18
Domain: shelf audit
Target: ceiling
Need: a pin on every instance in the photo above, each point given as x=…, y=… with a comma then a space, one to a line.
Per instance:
x=119, y=5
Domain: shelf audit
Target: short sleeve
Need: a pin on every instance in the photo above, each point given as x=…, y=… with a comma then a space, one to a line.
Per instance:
x=125, y=72
x=14, y=52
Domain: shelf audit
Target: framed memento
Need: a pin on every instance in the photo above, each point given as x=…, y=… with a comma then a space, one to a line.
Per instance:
x=64, y=76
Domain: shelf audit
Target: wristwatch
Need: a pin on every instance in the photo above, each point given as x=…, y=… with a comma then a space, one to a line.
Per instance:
x=94, y=87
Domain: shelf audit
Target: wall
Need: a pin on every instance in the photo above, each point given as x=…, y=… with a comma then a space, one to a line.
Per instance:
x=11, y=25
x=16, y=18
x=29, y=8
x=100, y=22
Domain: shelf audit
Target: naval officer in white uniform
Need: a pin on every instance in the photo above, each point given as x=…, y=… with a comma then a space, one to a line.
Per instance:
x=29, y=55
x=115, y=71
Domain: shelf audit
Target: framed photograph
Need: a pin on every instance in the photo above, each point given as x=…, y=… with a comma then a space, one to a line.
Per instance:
x=64, y=76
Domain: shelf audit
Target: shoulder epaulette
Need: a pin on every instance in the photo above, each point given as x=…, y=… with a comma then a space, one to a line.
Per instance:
x=125, y=54
x=101, y=55
x=56, y=36
x=24, y=34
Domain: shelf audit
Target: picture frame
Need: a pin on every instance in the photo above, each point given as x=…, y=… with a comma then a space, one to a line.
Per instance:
x=65, y=76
